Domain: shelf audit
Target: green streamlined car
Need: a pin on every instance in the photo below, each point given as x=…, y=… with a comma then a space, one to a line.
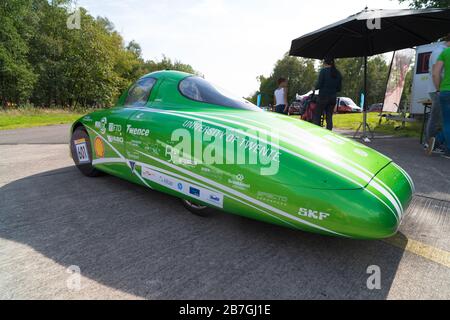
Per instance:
x=177, y=133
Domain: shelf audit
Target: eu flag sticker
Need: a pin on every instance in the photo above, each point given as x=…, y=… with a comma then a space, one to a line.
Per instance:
x=194, y=191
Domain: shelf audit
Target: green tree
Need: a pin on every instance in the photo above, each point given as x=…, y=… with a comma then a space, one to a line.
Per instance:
x=420, y=4
x=407, y=91
x=44, y=61
x=352, y=77
x=300, y=72
x=352, y=70
x=303, y=75
x=378, y=73
x=166, y=64
x=16, y=74
x=135, y=48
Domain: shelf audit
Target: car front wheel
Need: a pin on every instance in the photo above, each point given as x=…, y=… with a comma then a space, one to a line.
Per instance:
x=80, y=146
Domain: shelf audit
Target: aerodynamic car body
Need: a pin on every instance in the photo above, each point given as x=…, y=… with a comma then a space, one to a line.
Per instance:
x=176, y=133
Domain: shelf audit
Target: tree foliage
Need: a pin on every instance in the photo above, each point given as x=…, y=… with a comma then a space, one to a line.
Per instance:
x=352, y=70
x=303, y=74
x=421, y=4
x=45, y=63
x=16, y=28
x=300, y=72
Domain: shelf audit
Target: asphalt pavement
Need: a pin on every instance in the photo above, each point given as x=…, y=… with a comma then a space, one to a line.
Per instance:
x=128, y=242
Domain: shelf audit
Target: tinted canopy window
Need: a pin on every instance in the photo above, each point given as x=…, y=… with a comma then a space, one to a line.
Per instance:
x=198, y=89
x=140, y=92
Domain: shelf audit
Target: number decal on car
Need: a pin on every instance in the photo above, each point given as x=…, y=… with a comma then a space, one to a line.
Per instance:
x=82, y=151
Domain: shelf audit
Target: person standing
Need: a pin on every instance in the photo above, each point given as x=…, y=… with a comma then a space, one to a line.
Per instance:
x=329, y=84
x=281, y=97
x=434, y=136
x=441, y=78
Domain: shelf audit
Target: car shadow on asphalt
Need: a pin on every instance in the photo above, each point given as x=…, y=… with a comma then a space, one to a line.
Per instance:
x=146, y=244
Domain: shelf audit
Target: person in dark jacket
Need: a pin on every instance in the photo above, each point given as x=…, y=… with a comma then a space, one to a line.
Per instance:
x=329, y=84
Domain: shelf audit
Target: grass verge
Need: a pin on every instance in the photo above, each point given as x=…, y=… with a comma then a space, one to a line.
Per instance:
x=352, y=121
x=36, y=117
x=394, y=128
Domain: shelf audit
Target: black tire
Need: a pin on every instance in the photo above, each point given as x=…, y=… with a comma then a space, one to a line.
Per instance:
x=86, y=168
x=196, y=209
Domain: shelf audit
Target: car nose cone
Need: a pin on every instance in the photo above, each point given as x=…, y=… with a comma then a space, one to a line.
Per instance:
x=394, y=189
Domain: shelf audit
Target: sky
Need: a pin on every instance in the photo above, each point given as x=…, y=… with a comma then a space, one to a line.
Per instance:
x=231, y=42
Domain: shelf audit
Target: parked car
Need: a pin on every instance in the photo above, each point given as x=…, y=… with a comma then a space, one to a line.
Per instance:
x=178, y=134
x=377, y=107
x=346, y=105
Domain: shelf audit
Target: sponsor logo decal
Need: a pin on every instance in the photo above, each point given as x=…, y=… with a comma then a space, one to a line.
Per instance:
x=99, y=147
x=168, y=182
x=135, y=143
x=238, y=182
x=194, y=191
x=101, y=125
x=153, y=149
x=114, y=139
x=138, y=131
x=183, y=187
x=80, y=141
x=132, y=165
x=214, y=198
x=104, y=126
x=272, y=199
x=148, y=174
x=172, y=154
x=114, y=127
x=316, y=215
x=133, y=155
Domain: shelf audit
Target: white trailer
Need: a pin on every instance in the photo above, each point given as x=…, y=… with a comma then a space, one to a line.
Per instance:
x=422, y=77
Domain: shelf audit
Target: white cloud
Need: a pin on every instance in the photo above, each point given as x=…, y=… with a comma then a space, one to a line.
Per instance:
x=230, y=41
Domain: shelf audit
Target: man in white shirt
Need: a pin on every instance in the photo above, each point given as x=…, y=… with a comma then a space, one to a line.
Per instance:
x=433, y=132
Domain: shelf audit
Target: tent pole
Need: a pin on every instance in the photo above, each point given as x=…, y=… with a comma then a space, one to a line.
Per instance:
x=366, y=130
